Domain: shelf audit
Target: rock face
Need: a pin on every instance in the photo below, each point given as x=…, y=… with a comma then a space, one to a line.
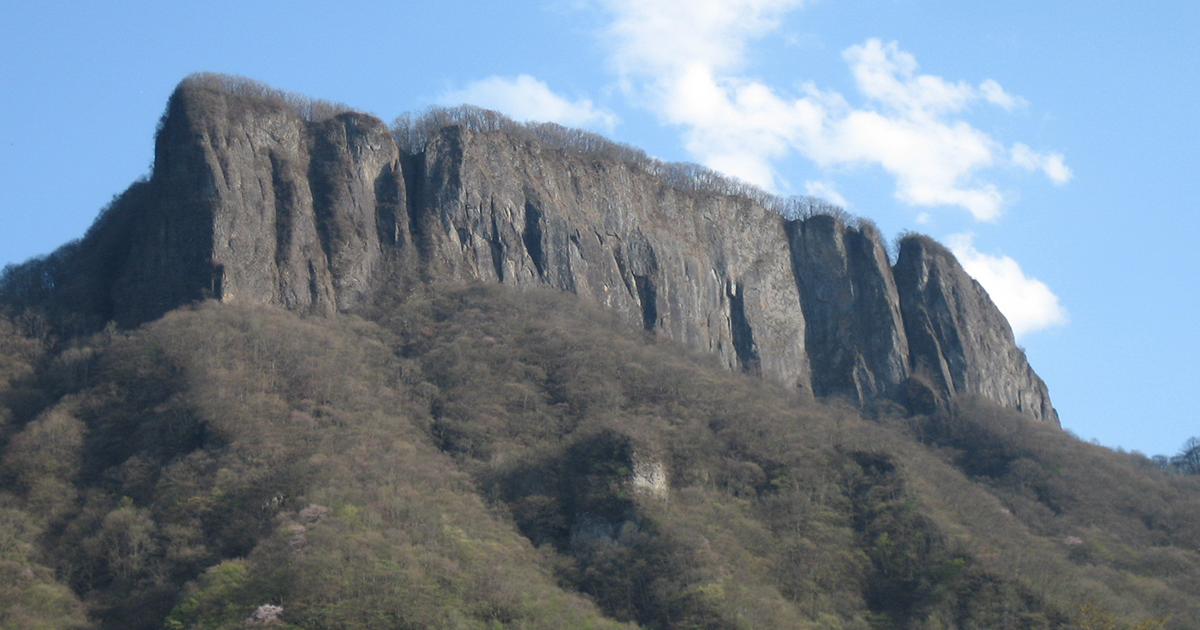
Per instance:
x=250, y=201
x=253, y=203
x=689, y=265
x=855, y=338
x=957, y=338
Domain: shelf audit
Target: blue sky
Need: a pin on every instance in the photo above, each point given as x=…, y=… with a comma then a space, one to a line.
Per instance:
x=1052, y=145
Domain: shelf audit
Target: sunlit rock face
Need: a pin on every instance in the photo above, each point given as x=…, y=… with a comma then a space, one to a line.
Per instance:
x=957, y=337
x=697, y=267
x=252, y=201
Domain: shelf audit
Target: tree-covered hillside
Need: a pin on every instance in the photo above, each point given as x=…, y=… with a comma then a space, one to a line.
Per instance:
x=482, y=457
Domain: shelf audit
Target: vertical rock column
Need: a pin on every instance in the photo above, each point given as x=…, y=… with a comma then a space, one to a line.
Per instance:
x=855, y=337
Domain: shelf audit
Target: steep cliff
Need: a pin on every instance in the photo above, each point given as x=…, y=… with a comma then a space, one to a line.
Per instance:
x=252, y=203
x=856, y=339
x=957, y=337
x=697, y=267
x=253, y=199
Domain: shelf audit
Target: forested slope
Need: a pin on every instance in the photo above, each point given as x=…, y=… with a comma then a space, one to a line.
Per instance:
x=485, y=457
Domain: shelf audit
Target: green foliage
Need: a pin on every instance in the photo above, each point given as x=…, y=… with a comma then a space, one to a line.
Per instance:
x=30, y=594
x=1093, y=617
x=42, y=459
x=219, y=598
x=20, y=353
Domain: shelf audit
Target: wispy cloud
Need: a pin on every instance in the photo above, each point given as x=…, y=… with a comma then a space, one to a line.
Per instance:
x=997, y=96
x=526, y=98
x=826, y=191
x=1050, y=163
x=685, y=60
x=1027, y=302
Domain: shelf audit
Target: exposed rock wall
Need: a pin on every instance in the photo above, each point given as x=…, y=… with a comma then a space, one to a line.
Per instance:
x=856, y=338
x=690, y=265
x=957, y=337
x=251, y=202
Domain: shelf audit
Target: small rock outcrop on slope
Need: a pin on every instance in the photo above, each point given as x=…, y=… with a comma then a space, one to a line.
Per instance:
x=254, y=198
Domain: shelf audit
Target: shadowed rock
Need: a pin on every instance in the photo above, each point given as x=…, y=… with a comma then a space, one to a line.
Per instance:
x=855, y=335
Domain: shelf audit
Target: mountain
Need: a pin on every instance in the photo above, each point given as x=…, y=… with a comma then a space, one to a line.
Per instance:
x=317, y=373
x=261, y=198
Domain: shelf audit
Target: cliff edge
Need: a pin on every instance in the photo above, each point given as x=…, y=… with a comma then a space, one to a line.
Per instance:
x=258, y=197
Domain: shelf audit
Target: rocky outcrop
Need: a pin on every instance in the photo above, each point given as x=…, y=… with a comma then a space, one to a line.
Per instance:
x=252, y=201
x=957, y=338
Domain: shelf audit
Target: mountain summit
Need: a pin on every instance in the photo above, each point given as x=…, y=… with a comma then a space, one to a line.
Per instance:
x=261, y=197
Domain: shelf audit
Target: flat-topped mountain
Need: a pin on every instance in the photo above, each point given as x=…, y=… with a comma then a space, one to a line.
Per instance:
x=317, y=372
x=262, y=198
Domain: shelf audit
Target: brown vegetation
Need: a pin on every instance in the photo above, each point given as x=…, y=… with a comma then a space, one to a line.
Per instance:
x=475, y=457
x=310, y=109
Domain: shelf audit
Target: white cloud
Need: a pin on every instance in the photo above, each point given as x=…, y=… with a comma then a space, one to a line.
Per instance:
x=678, y=58
x=682, y=59
x=665, y=37
x=526, y=98
x=886, y=74
x=826, y=191
x=1027, y=302
x=933, y=162
x=997, y=96
x=1052, y=164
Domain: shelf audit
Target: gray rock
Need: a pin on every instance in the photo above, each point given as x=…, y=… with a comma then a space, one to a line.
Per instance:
x=254, y=204
x=855, y=341
x=251, y=201
x=959, y=342
x=685, y=264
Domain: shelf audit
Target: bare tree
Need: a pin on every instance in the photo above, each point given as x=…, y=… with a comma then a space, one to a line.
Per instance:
x=1188, y=460
x=413, y=131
